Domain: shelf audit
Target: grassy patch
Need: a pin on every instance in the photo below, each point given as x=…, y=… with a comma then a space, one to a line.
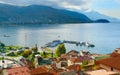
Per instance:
x=15, y=54
x=0, y=58
x=10, y=48
x=48, y=55
x=102, y=57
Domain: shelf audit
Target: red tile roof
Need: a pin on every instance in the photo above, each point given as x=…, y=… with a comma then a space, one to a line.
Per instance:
x=42, y=71
x=115, y=54
x=18, y=71
x=80, y=59
x=112, y=62
x=73, y=67
x=28, y=63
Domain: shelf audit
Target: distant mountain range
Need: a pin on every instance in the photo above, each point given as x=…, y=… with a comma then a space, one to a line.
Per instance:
x=40, y=14
x=93, y=15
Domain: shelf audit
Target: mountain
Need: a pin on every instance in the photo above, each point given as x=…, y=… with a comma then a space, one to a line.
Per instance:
x=101, y=21
x=93, y=15
x=39, y=14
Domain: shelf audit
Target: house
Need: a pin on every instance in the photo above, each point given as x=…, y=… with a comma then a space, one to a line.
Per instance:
x=110, y=64
x=75, y=61
x=78, y=60
x=73, y=53
x=27, y=63
x=115, y=53
x=100, y=72
x=1, y=72
x=60, y=62
x=17, y=71
x=68, y=73
x=65, y=56
x=37, y=59
x=84, y=53
x=74, y=67
x=117, y=50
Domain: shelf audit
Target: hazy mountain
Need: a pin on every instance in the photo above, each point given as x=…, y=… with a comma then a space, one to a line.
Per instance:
x=39, y=14
x=101, y=21
x=93, y=15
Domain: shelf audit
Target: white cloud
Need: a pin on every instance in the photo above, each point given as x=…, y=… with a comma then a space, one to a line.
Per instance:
x=67, y=4
x=118, y=1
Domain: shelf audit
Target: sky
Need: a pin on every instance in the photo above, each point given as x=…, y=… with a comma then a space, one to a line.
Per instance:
x=107, y=7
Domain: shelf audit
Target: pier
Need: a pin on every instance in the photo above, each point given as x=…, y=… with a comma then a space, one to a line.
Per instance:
x=55, y=43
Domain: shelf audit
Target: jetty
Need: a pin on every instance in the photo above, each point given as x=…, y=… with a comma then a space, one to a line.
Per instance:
x=55, y=43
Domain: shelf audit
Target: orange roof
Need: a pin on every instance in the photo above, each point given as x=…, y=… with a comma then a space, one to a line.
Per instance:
x=75, y=60
x=65, y=56
x=18, y=71
x=80, y=59
x=114, y=54
x=28, y=63
x=112, y=62
x=74, y=67
x=42, y=71
x=73, y=52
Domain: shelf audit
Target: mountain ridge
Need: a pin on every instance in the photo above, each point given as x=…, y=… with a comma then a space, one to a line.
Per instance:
x=94, y=15
x=38, y=14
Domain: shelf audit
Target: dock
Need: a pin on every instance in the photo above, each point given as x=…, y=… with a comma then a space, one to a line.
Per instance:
x=55, y=43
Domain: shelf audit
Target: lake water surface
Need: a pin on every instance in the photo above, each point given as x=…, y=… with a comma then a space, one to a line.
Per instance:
x=105, y=36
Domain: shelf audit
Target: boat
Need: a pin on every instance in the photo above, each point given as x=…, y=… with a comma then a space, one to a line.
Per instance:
x=6, y=36
x=85, y=43
x=71, y=42
x=91, y=45
x=54, y=43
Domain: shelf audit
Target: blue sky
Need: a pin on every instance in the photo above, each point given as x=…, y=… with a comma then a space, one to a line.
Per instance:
x=107, y=7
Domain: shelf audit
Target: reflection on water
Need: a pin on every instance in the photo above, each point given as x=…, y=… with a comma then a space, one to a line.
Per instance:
x=105, y=36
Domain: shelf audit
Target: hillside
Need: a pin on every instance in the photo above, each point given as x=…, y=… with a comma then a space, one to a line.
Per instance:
x=102, y=21
x=93, y=15
x=39, y=14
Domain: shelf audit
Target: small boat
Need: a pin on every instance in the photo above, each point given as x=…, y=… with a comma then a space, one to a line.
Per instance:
x=6, y=36
x=85, y=43
x=91, y=45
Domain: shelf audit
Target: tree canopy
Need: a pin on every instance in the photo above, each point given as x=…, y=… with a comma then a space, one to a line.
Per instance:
x=60, y=49
x=26, y=53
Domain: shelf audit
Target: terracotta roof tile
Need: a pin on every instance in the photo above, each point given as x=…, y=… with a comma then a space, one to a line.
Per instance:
x=18, y=70
x=112, y=62
x=115, y=54
x=42, y=71
x=73, y=52
x=73, y=67
x=80, y=59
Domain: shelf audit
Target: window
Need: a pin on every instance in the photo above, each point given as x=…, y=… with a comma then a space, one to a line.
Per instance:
x=111, y=68
x=10, y=74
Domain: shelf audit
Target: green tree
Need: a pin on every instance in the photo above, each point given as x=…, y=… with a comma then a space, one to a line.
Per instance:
x=35, y=49
x=60, y=50
x=84, y=63
x=26, y=53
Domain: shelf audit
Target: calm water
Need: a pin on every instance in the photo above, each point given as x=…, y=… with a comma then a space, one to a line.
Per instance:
x=105, y=36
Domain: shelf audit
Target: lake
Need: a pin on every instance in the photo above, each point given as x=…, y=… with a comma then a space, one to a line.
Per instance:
x=105, y=36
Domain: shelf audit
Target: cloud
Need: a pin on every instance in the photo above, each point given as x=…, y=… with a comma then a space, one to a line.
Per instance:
x=118, y=1
x=67, y=4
